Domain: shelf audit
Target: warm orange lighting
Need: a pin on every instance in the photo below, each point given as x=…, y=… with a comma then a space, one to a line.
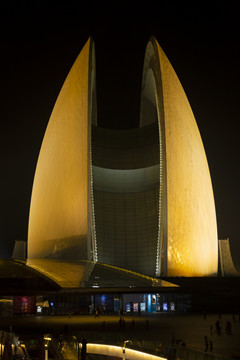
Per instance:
x=111, y=350
x=62, y=222
x=58, y=220
x=188, y=229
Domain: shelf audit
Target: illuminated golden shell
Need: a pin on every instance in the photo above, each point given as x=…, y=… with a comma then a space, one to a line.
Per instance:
x=188, y=241
x=179, y=237
x=59, y=212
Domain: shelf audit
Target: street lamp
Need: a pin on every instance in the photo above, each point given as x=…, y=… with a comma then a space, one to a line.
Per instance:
x=46, y=339
x=1, y=344
x=79, y=346
x=124, y=348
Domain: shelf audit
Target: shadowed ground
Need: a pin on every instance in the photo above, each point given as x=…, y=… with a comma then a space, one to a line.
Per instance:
x=190, y=328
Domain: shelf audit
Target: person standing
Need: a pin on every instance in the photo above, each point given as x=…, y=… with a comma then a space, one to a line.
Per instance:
x=96, y=313
x=210, y=346
x=206, y=343
x=84, y=349
x=211, y=330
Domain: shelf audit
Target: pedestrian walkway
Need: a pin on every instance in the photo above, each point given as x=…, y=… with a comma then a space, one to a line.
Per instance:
x=222, y=332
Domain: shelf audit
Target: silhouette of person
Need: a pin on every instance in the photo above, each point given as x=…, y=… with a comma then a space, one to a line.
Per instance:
x=84, y=349
x=120, y=322
x=211, y=329
x=218, y=327
x=206, y=343
x=229, y=328
x=210, y=346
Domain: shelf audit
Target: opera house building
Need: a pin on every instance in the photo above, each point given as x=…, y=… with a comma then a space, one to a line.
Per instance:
x=123, y=211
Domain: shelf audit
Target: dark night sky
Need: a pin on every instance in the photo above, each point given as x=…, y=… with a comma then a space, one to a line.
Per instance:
x=39, y=45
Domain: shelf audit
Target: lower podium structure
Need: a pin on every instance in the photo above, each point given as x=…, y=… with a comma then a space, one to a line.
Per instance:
x=138, y=199
x=226, y=265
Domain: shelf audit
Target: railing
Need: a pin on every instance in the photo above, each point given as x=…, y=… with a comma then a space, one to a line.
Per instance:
x=57, y=349
x=120, y=352
x=147, y=349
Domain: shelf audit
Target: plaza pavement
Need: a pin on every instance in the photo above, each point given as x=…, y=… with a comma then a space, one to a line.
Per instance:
x=191, y=328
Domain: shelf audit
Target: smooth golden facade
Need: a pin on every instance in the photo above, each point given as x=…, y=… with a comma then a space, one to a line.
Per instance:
x=160, y=223
x=60, y=205
x=188, y=242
